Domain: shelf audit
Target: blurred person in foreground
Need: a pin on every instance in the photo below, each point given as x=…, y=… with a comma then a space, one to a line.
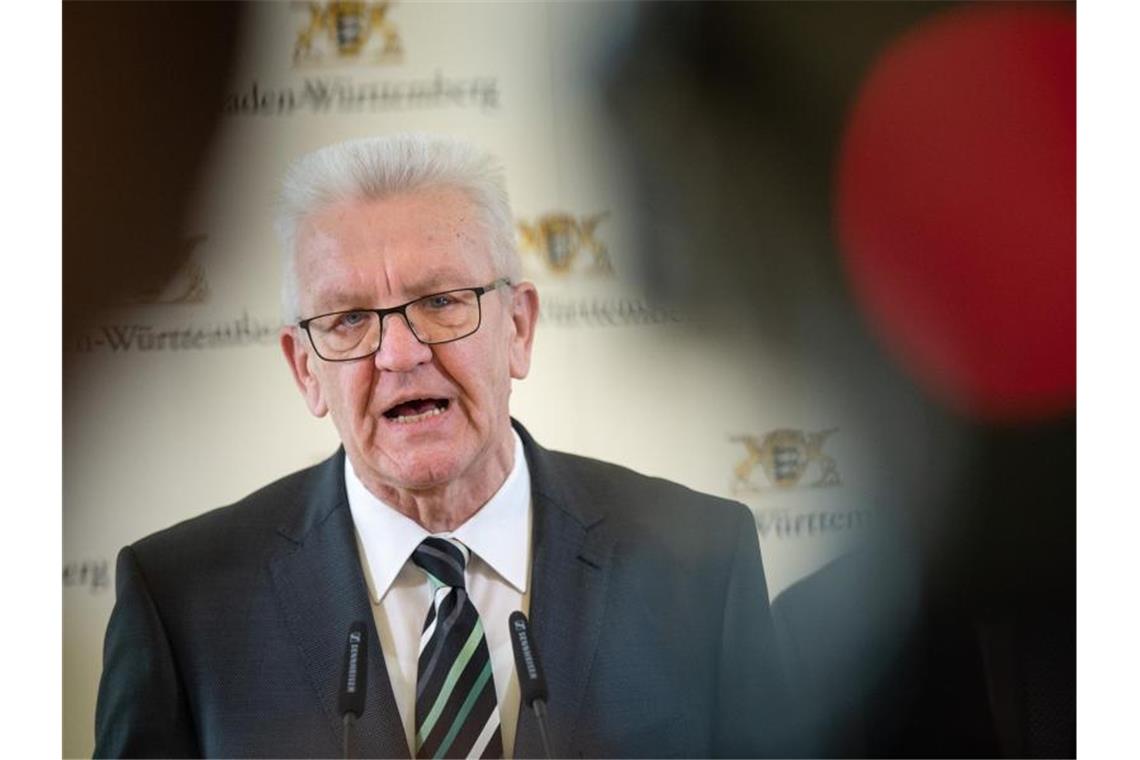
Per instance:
x=406, y=323
x=885, y=194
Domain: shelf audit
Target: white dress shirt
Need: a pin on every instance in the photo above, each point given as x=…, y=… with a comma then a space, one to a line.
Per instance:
x=497, y=578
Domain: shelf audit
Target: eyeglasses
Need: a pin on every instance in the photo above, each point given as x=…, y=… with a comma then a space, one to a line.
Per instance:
x=343, y=336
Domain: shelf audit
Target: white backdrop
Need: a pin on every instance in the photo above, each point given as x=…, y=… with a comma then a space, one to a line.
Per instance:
x=186, y=403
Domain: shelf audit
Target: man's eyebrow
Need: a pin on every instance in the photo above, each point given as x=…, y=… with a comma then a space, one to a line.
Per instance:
x=437, y=281
x=335, y=299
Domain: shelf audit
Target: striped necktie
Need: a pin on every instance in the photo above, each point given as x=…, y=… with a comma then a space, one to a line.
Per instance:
x=457, y=712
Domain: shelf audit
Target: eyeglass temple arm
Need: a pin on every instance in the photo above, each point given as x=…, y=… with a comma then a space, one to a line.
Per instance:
x=496, y=284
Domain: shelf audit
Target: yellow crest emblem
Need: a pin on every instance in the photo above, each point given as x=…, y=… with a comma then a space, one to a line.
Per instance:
x=346, y=31
x=785, y=456
x=559, y=240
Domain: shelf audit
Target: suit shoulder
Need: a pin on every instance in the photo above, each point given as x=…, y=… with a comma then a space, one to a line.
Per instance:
x=643, y=498
x=257, y=514
x=666, y=534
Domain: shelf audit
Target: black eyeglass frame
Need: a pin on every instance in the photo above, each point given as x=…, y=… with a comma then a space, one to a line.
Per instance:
x=402, y=311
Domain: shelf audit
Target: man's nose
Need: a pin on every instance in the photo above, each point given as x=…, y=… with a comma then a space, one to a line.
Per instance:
x=400, y=350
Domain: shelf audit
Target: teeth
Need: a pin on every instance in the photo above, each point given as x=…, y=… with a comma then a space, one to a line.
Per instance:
x=417, y=417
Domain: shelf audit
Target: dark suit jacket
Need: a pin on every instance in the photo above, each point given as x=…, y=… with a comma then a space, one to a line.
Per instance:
x=887, y=664
x=648, y=607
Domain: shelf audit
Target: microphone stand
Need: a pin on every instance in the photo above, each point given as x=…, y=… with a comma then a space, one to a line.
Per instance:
x=540, y=713
x=349, y=729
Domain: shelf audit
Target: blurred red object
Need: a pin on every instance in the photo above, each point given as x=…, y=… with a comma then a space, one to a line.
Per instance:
x=956, y=208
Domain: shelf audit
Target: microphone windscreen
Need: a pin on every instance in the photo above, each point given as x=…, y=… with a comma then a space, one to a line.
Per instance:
x=352, y=685
x=532, y=684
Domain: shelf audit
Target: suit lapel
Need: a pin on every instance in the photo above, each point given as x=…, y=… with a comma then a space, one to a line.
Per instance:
x=321, y=588
x=572, y=550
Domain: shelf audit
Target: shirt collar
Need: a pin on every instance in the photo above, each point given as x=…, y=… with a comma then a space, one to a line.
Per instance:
x=499, y=533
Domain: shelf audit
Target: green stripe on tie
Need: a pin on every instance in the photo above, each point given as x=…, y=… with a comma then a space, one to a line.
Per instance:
x=468, y=703
x=449, y=683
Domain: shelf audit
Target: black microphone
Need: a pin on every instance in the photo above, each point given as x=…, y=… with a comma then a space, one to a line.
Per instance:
x=532, y=684
x=352, y=686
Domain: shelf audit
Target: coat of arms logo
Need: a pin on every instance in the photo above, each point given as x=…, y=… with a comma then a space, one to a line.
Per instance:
x=562, y=241
x=340, y=32
x=785, y=456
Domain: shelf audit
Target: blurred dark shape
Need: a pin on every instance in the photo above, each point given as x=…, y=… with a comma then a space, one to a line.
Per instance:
x=954, y=633
x=874, y=692
x=143, y=86
x=731, y=114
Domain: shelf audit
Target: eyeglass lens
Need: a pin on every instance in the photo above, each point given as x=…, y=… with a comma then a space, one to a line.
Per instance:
x=436, y=318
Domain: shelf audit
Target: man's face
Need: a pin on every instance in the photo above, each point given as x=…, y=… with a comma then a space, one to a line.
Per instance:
x=382, y=253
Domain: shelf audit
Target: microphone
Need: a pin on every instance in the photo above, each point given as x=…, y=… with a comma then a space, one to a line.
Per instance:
x=532, y=684
x=352, y=686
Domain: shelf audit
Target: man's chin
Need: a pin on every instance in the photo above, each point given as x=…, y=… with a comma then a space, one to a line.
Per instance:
x=421, y=471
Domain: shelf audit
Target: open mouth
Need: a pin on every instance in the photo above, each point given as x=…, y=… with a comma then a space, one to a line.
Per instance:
x=417, y=410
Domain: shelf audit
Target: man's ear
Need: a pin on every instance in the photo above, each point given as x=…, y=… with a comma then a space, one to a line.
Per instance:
x=524, y=316
x=299, y=354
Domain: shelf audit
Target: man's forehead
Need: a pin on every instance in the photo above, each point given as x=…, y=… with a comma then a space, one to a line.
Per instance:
x=374, y=280
x=357, y=251
x=429, y=210
x=439, y=221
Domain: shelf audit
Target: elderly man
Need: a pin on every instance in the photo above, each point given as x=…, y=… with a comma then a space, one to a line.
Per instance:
x=407, y=322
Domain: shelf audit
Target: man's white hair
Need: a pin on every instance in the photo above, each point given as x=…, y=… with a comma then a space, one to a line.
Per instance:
x=377, y=167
